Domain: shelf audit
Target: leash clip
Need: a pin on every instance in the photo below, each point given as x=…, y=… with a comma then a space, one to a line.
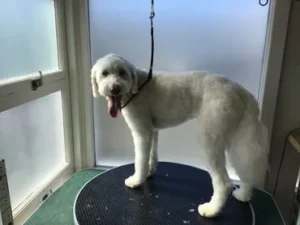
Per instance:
x=152, y=14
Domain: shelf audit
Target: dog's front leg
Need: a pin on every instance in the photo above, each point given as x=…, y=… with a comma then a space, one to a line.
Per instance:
x=142, y=147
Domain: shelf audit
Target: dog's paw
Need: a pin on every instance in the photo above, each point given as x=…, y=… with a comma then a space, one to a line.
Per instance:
x=208, y=210
x=133, y=182
x=241, y=195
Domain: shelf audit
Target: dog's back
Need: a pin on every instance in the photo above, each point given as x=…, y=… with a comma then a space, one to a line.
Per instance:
x=180, y=97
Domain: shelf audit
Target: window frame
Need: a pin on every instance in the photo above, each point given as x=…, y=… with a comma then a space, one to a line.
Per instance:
x=18, y=91
x=270, y=80
x=273, y=59
x=79, y=61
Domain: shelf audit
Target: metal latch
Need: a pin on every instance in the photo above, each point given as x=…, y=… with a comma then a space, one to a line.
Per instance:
x=35, y=84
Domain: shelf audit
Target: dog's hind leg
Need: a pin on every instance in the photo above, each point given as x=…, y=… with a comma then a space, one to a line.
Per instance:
x=214, y=160
x=248, y=154
x=153, y=155
x=215, y=126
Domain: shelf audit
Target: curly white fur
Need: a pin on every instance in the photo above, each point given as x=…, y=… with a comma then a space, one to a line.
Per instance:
x=226, y=113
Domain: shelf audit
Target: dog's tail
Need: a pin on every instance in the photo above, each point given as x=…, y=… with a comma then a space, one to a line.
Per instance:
x=249, y=148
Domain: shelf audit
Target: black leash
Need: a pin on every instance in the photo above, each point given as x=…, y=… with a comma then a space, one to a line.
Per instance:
x=149, y=77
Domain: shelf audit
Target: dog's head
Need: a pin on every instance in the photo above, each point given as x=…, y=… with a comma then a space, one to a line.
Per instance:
x=113, y=77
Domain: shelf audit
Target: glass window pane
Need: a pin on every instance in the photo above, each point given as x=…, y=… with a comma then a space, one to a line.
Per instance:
x=225, y=37
x=28, y=37
x=32, y=144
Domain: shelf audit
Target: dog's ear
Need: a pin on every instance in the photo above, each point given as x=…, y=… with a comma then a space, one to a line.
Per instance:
x=134, y=87
x=95, y=86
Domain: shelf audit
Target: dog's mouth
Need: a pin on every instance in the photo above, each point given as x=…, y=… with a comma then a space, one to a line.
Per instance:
x=114, y=105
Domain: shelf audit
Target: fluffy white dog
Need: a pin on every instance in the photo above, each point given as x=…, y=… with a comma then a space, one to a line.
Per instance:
x=226, y=114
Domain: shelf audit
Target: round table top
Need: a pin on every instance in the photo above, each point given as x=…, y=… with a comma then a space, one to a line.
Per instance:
x=171, y=197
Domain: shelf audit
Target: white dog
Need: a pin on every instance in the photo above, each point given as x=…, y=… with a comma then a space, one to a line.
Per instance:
x=227, y=117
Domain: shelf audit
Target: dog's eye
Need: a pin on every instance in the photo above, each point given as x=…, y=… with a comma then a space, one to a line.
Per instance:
x=122, y=72
x=105, y=73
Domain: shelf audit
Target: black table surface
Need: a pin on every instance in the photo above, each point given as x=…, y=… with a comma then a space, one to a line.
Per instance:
x=171, y=197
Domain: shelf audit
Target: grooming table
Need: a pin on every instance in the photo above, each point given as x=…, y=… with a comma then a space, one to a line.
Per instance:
x=171, y=197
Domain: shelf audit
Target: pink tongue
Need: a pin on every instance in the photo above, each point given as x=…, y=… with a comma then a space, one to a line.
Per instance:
x=114, y=106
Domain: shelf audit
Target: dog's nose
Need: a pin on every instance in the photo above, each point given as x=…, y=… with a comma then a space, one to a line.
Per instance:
x=115, y=90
